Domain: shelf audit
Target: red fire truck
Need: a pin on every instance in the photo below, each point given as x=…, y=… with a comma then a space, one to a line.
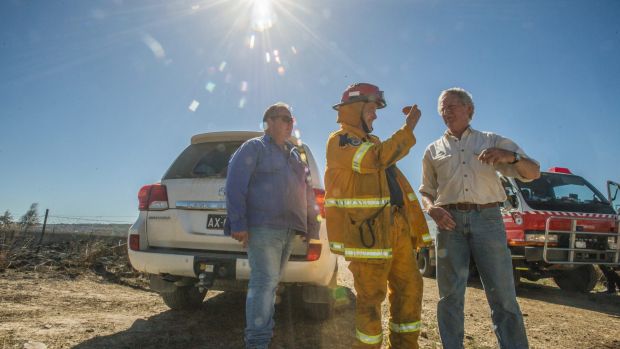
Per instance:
x=557, y=226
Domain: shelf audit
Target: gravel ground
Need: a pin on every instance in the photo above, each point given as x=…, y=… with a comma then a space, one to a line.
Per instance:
x=63, y=297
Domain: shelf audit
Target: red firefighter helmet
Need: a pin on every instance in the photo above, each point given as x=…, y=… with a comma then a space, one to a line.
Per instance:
x=362, y=92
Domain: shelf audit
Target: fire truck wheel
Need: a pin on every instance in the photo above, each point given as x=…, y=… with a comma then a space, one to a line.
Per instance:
x=424, y=264
x=581, y=279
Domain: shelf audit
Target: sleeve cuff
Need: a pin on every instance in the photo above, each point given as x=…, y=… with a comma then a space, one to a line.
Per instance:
x=238, y=226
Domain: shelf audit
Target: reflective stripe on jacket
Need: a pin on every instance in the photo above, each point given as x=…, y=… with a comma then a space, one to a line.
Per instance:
x=357, y=196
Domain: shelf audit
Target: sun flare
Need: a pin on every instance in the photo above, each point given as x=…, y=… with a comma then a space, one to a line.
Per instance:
x=262, y=15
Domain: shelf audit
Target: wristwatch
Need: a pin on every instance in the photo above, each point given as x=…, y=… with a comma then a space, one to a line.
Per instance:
x=517, y=158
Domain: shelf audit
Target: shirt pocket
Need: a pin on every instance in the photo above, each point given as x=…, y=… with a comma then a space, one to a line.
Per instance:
x=442, y=161
x=480, y=146
x=270, y=163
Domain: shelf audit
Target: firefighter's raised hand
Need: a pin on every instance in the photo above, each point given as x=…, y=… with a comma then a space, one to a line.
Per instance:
x=413, y=115
x=442, y=218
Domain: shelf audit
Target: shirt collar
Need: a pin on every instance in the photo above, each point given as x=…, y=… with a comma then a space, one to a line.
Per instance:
x=466, y=133
x=288, y=145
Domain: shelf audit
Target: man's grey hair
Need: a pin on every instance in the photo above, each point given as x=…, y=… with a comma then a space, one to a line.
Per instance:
x=273, y=110
x=463, y=96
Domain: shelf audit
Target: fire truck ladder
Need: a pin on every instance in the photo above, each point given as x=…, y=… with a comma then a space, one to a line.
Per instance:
x=578, y=251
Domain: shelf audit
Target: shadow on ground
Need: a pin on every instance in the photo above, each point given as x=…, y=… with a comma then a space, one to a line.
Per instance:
x=219, y=324
x=600, y=302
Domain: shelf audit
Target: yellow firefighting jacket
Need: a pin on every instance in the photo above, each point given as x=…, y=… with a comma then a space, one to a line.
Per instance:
x=357, y=196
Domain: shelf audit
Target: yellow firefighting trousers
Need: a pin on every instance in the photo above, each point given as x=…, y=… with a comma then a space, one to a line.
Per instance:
x=404, y=285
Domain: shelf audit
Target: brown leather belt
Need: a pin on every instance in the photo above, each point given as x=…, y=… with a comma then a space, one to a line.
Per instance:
x=468, y=206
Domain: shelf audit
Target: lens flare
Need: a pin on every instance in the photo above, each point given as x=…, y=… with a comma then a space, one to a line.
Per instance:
x=267, y=57
x=281, y=70
x=154, y=46
x=244, y=86
x=252, y=39
x=210, y=87
x=222, y=66
x=194, y=105
x=242, y=103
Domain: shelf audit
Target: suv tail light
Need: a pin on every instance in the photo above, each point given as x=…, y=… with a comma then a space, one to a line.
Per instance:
x=134, y=242
x=314, y=251
x=319, y=197
x=153, y=197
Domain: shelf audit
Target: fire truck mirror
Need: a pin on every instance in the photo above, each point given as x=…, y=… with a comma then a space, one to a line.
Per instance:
x=513, y=200
x=612, y=195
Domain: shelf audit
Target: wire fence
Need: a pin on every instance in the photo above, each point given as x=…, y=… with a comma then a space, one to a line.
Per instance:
x=63, y=227
x=78, y=239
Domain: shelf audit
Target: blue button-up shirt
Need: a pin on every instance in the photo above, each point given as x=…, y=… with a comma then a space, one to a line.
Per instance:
x=268, y=186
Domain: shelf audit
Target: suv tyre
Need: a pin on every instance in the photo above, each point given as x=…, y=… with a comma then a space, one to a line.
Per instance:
x=184, y=297
x=424, y=263
x=318, y=301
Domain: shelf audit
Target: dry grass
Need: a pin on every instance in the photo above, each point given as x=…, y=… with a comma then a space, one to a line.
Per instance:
x=69, y=256
x=12, y=242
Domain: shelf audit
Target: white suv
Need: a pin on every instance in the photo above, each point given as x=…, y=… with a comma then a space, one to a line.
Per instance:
x=178, y=238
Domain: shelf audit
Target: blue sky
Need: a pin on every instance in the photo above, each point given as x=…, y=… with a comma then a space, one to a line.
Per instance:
x=95, y=95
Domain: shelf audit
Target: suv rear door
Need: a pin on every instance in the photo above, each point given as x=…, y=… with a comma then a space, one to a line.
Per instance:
x=195, y=185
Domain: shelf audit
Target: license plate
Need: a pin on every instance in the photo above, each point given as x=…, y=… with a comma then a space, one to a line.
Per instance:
x=580, y=244
x=216, y=221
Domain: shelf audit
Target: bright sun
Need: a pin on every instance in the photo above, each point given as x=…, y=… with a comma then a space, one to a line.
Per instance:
x=262, y=15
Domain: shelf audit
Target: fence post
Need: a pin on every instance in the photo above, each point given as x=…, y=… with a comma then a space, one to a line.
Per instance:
x=47, y=210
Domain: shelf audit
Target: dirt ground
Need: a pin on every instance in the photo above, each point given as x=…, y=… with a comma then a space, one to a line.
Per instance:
x=64, y=299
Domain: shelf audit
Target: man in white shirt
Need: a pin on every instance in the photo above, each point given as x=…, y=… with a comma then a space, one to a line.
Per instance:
x=462, y=193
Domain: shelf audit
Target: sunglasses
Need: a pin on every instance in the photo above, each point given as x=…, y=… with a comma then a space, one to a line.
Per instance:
x=284, y=118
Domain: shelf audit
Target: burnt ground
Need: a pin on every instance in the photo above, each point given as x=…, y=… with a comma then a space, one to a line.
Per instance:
x=83, y=294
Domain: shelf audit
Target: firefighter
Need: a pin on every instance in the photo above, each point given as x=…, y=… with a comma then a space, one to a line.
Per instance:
x=374, y=218
x=613, y=280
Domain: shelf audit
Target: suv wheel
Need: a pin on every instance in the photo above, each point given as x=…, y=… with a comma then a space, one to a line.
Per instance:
x=424, y=264
x=184, y=297
x=318, y=301
x=320, y=311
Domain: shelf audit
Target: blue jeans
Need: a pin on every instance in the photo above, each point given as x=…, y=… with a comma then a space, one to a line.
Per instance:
x=268, y=252
x=481, y=235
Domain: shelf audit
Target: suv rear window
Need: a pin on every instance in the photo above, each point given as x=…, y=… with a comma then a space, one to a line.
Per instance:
x=203, y=160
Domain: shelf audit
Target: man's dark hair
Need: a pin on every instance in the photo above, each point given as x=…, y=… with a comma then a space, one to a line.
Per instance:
x=273, y=110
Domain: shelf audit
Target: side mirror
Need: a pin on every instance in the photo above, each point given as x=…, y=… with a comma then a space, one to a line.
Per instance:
x=612, y=194
x=511, y=202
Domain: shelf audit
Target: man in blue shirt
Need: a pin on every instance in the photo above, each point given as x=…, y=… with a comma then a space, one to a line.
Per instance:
x=269, y=200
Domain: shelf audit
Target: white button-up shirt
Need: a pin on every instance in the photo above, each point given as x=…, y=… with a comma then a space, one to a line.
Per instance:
x=452, y=173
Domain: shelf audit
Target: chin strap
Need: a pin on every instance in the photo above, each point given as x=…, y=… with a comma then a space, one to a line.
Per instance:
x=364, y=126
